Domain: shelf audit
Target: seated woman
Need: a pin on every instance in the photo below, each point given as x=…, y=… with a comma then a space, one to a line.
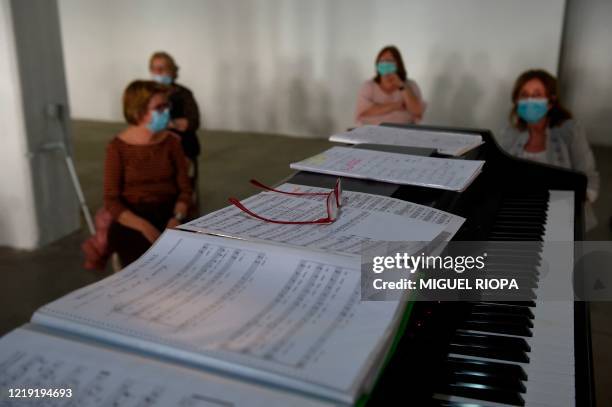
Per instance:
x=184, y=113
x=146, y=187
x=390, y=97
x=541, y=129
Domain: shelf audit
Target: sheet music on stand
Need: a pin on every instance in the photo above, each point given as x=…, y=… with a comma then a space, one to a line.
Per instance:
x=405, y=169
x=446, y=143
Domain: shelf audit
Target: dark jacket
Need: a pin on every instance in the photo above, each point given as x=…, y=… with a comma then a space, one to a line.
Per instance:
x=183, y=104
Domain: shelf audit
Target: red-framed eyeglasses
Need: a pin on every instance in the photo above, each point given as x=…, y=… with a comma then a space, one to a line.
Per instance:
x=333, y=202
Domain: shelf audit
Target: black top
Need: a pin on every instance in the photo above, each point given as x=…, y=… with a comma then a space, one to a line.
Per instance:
x=183, y=104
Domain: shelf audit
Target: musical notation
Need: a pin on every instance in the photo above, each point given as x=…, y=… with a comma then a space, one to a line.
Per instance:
x=99, y=376
x=207, y=300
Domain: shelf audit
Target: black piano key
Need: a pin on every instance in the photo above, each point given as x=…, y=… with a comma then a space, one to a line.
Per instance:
x=517, y=217
x=530, y=219
x=446, y=403
x=522, y=294
x=506, y=205
x=495, y=327
x=519, y=228
x=531, y=252
x=490, y=346
x=501, y=318
x=530, y=304
x=534, y=216
x=509, y=236
x=522, y=203
x=489, y=352
x=534, y=251
x=483, y=392
x=503, y=309
x=535, y=203
x=506, y=384
x=522, y=207
x=495, y=265
x=514, y=261
x=510, y=216
x=508, y=370
x=495, y=341
x=512, y=271
x=526, y=218
x=534, y=199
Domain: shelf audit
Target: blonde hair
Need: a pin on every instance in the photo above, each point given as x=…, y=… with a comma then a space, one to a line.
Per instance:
x=136, y=98
x=169, y=60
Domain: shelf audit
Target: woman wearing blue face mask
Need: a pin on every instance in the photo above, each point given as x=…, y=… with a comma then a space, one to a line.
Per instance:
x=389, y=97
x=146, y=187
x=184, y=112
x=542, y=130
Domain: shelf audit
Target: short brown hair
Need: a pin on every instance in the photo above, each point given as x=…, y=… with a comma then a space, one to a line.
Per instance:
x=136, y=98
x=169, y=60
x=401, y=69
x=557, y=114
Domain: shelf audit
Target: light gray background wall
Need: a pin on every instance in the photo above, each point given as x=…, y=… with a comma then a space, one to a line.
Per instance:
x=18, y=226
x=43, y=99
x=586, y=66
x=294, y=66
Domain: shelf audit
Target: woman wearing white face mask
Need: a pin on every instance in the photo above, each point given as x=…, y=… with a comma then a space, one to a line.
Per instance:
x=390, y=97
x=146, y=187
x=542, y=130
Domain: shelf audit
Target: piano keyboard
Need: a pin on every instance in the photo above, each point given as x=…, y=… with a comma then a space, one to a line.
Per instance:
x=521, y=353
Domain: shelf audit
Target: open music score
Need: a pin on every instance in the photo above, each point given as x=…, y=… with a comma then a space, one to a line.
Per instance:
x=289, y=317
x=93, y=375
x=403, y=169
x=447, y=143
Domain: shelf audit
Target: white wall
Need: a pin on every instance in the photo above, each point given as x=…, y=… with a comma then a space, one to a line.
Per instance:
x=18, y=226
x=294, y=66
x=586, y=66
x=43, y=86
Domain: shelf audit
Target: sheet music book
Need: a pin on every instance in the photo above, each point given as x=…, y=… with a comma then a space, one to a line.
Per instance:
x=223, y=319
x=446, y=143
x=96, y=375
x=365, y=219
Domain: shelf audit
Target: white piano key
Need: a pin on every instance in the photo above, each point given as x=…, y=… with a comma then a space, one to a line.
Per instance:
x=551, y=369
x=552, y=343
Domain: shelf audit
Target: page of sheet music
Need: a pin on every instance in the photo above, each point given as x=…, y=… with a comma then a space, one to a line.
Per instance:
x=287, y=316
x=379, y=203
x=96, y=376
x=405, y=169
x=355, y=227
x=447, y=143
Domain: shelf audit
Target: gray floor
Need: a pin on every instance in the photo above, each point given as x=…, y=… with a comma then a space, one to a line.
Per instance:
x=28, y=280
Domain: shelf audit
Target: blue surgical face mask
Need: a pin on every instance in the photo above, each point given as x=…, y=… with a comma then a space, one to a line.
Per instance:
x=532, y=110
x=163, y=79
x=159, y=121
x=386, y=68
